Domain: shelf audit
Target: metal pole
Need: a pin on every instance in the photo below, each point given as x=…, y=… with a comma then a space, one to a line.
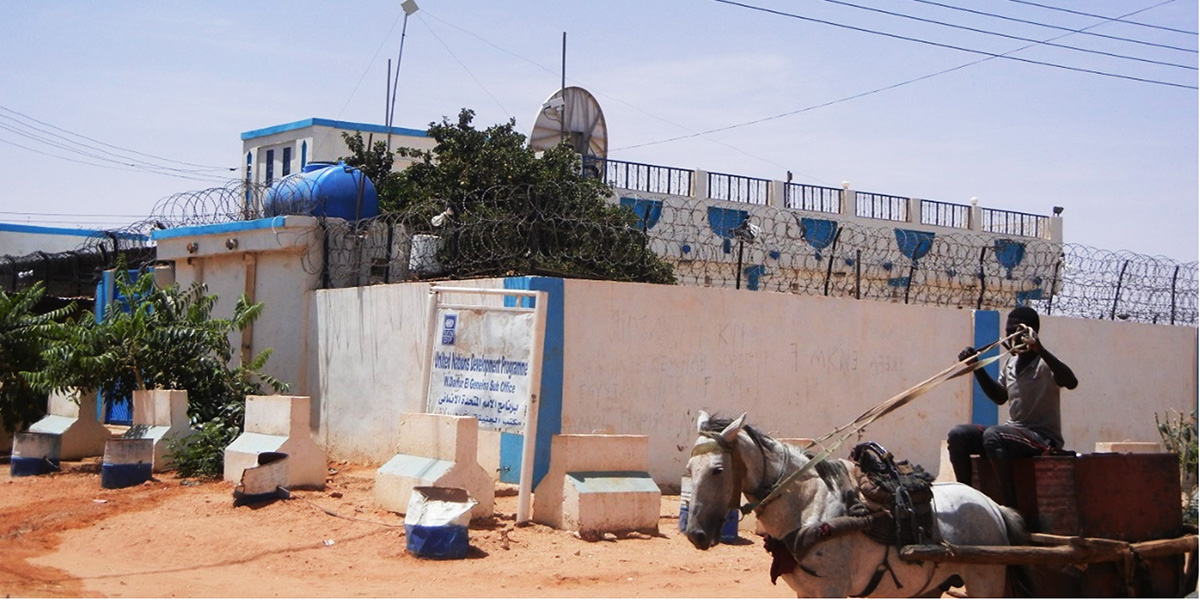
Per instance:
x=1053, y=284
x=562, y=93
x=832, y=251
x=738, y=285
x=1174, y=278
x=982, y=279
x=908, y=283
x=1117, y=297
x=396, y=80
x=858, y=274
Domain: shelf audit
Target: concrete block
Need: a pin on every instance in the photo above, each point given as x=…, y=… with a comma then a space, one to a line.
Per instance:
x=161, y=416
x=437, y=451
x=82, y=434
x=278, y=424
x=1128, y=447
x=598, y=483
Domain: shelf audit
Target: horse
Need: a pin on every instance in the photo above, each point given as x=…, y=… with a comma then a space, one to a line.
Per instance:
x=731, y=458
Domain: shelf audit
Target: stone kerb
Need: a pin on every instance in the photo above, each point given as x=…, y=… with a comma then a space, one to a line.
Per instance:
x=160, y=415
x=82, y=434
x=278, y=424
x=435, y=450
x=598, y=483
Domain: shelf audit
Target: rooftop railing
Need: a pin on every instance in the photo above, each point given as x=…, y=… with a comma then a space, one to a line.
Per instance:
x=656, y=179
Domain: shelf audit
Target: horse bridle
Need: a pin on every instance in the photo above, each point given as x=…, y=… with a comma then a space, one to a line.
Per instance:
x=719, y=445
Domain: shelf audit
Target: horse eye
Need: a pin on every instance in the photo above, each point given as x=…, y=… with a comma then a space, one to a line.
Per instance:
x=718, y=470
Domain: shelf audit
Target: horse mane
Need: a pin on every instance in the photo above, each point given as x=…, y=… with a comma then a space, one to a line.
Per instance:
x=833, y=472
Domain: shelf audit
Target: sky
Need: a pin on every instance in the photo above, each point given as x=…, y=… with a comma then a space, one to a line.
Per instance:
x=106, y=108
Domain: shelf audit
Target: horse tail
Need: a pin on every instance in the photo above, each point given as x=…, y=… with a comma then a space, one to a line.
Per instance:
x=1020, y=580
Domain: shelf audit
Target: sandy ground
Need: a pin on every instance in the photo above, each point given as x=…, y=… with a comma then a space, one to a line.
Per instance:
x=63, y=535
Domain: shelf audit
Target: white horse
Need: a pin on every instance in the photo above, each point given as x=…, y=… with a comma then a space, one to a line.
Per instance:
x=730, y=459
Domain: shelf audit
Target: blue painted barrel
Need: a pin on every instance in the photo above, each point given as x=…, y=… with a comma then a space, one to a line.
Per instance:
x=35, y=454
x=323, y=190
x=127, y=462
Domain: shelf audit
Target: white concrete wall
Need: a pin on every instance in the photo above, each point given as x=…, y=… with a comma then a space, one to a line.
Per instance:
x=648, y=357
x=371, y=348
x=642, y=359
x=277, y=265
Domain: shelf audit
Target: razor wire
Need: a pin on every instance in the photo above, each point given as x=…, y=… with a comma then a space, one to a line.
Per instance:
x=539, y=230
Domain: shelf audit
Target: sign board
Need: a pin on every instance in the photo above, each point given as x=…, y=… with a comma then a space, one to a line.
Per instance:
x=481, y=365
x=486, y=362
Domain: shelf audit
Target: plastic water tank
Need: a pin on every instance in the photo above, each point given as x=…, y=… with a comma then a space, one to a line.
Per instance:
x=323, y=190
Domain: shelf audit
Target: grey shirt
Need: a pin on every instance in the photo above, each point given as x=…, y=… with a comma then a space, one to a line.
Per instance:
x=1033, y=398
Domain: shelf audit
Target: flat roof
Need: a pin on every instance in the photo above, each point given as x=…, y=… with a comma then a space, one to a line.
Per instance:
x=37, y=229
x=348, y=125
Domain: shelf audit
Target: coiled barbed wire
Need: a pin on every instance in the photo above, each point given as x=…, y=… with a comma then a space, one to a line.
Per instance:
x=522, y=230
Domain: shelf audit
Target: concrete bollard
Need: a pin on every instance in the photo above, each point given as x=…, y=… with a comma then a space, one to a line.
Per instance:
x=127, y=462
x=440, y=451
x=278, y=424
x=160, y=416
x=598, y=484
x=35, y=454
x=82, y=435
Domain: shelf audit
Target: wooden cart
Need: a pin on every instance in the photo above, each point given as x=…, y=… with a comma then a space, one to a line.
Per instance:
x=1106, y=525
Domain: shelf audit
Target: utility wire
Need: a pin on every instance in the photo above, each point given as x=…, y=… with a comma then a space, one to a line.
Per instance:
x=1008, y=36
x=870, y=92
x=78, y=135
x=618, y=100
x=103, y=166
x=951, y=46
x=1059, y=27
x=1095, y=16
x=465, y=68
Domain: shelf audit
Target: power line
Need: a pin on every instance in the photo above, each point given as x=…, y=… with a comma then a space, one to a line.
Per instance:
x=1059, y=27
x=25, y=116
x=1007, y=36
x=92, y=164
x=953, y=47
x=1095, y=16
x=874, y=91
x=465, y=68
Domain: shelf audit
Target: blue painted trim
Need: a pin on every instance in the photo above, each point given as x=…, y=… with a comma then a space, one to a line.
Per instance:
x=231, y=227
x=363, y=127
x=549, y=421
x=89, y=233
x=987, y=330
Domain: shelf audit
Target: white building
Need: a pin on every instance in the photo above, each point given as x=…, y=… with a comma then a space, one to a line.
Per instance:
x=271, y=153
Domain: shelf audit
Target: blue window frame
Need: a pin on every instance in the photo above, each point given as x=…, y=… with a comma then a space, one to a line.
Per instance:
x=287, y=162
x=270, y=167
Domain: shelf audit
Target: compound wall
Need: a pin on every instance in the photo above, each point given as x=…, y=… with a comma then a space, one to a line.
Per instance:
x=643, y=359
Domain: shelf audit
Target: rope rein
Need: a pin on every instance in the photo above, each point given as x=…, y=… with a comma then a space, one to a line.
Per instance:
x=886, y=407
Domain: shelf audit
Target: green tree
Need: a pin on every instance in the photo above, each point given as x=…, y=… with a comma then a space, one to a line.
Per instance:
x=160, y=338
x=24, y=335
x=375, y=160
x=516, y=211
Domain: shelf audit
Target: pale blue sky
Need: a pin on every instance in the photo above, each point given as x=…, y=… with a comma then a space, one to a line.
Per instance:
x=182, y=81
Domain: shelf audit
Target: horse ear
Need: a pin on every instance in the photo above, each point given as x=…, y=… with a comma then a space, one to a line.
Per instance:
x=702, y=420
x=730, y=432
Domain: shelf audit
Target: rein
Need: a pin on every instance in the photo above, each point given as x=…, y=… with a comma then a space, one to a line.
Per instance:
x=962, y=367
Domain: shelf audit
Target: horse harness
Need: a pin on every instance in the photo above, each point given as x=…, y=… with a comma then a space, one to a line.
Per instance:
x=898, y=511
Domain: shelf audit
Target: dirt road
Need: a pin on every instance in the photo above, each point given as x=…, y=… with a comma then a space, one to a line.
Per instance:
x=63, y=535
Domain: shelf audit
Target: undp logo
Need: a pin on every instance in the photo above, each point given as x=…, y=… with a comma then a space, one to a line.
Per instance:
x=449, y=322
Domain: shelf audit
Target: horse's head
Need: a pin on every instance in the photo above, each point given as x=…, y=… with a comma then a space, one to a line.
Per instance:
x=717, y=472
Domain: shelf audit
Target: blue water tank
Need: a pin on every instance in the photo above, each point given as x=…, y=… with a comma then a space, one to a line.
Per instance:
x=323, y=190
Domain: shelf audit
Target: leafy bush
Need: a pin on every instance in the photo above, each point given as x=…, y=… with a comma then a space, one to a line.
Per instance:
x=163, y=338
x=203, y=453
x=24, y=335
x=1179, y=436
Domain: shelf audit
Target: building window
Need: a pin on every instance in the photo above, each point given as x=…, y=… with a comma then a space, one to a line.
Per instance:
x=303, y=154
x=287, y=162
x=270, y=167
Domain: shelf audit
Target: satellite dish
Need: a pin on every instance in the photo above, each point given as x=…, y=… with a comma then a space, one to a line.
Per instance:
x=573, y=115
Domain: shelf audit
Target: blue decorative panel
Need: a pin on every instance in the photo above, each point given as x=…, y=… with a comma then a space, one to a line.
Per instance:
x=647, y=211
x=819, y=233
x=914, y=244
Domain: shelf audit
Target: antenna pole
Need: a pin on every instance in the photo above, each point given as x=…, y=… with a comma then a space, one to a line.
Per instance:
x=409, y=7
x=562, y=93
x=387, y=96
